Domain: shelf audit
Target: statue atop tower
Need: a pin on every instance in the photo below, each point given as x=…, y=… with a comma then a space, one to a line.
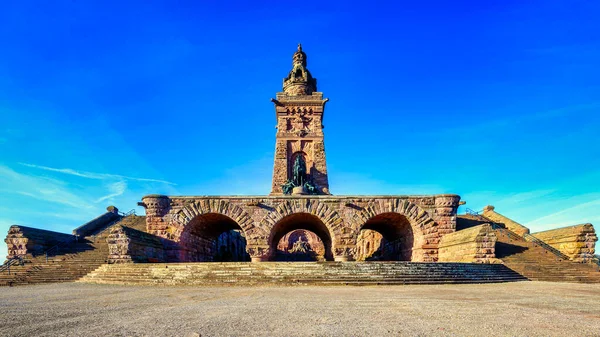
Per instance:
x=299, y=81
x=299, y=149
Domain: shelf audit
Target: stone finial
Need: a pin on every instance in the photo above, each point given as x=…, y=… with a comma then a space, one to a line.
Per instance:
x=299, y=81
x=112, y=209
x=489, y=208
x=299, y=57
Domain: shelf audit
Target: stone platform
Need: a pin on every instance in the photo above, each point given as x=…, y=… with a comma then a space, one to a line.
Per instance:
x=301, y=273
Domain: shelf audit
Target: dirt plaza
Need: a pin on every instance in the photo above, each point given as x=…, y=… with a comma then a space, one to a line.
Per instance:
x=508, y=309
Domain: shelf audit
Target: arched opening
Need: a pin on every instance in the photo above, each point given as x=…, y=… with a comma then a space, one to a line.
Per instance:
x=212, y=237
x=386, y=237
x=289, y=227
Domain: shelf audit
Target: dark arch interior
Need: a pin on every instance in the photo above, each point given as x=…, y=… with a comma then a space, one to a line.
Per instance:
x=212, y=237
x=305, y=221
x=398, y=239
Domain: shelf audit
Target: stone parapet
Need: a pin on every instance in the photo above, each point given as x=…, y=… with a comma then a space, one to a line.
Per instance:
x=475, y=244
x=490, y=213
x=98, y=223
x=22, y=240
x=577, y=242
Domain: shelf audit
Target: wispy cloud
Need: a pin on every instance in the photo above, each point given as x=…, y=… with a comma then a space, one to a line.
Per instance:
x=39, y=188
x=92, y=175
x=116, y=190
x=520, y=197
x=572, y=215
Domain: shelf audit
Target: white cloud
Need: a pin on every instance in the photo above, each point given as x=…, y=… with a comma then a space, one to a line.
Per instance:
x=116, y=189
x=92, y=175
x=573, y=215
x=517, y=198
x=39, y=188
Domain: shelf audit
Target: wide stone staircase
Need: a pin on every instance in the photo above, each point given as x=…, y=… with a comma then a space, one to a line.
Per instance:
x=540, y=264
x=300, y=273
x=534, y=260
x=69, y=261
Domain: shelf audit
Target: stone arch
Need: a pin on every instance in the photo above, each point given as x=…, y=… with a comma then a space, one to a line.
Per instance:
x=300, y=221
x=223, y=207
x=422, y=225
x=330, y=218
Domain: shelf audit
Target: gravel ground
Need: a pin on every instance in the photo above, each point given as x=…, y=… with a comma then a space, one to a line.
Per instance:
x=510, y=309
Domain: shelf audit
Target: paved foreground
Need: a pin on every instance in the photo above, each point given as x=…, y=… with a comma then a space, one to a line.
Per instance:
x=515, y=309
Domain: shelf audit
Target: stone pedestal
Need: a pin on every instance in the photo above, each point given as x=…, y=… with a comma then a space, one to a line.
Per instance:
x=259, y=259
x=342, y=258
x=298, y=190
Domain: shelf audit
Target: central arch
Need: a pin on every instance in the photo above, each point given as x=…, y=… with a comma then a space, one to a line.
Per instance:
x=303, y=221
x=329, y=227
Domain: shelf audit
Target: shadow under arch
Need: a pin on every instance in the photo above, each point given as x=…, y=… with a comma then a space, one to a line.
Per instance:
x=211, y=237
x=396, y=242
x=304, y=221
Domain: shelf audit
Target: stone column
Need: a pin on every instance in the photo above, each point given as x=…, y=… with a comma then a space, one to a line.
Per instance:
x=157, y=206
x=446, y=206
x=259, y=253
x=344, y=254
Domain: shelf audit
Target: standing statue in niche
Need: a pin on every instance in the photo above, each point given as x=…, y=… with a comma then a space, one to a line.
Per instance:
x=299, y=171
x=300, y=178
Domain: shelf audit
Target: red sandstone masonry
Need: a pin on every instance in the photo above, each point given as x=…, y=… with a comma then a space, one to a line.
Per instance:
x=340, y=217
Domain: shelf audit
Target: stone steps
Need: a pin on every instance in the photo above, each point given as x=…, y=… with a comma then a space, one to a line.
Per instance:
x=291, y=273
x=72, y=262
x=538, y=264
x=79, y=259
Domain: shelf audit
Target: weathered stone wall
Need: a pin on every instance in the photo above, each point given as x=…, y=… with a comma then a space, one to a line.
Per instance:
x=490, y=213
x=22, y=240
x=577, y=242
x=342, y=218
x=475, y=244
x=126, y=245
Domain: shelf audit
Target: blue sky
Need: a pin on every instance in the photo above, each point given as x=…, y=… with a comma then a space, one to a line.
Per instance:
x=102, y=102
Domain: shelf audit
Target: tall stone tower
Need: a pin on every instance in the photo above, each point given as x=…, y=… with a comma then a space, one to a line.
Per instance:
x=299, y=111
